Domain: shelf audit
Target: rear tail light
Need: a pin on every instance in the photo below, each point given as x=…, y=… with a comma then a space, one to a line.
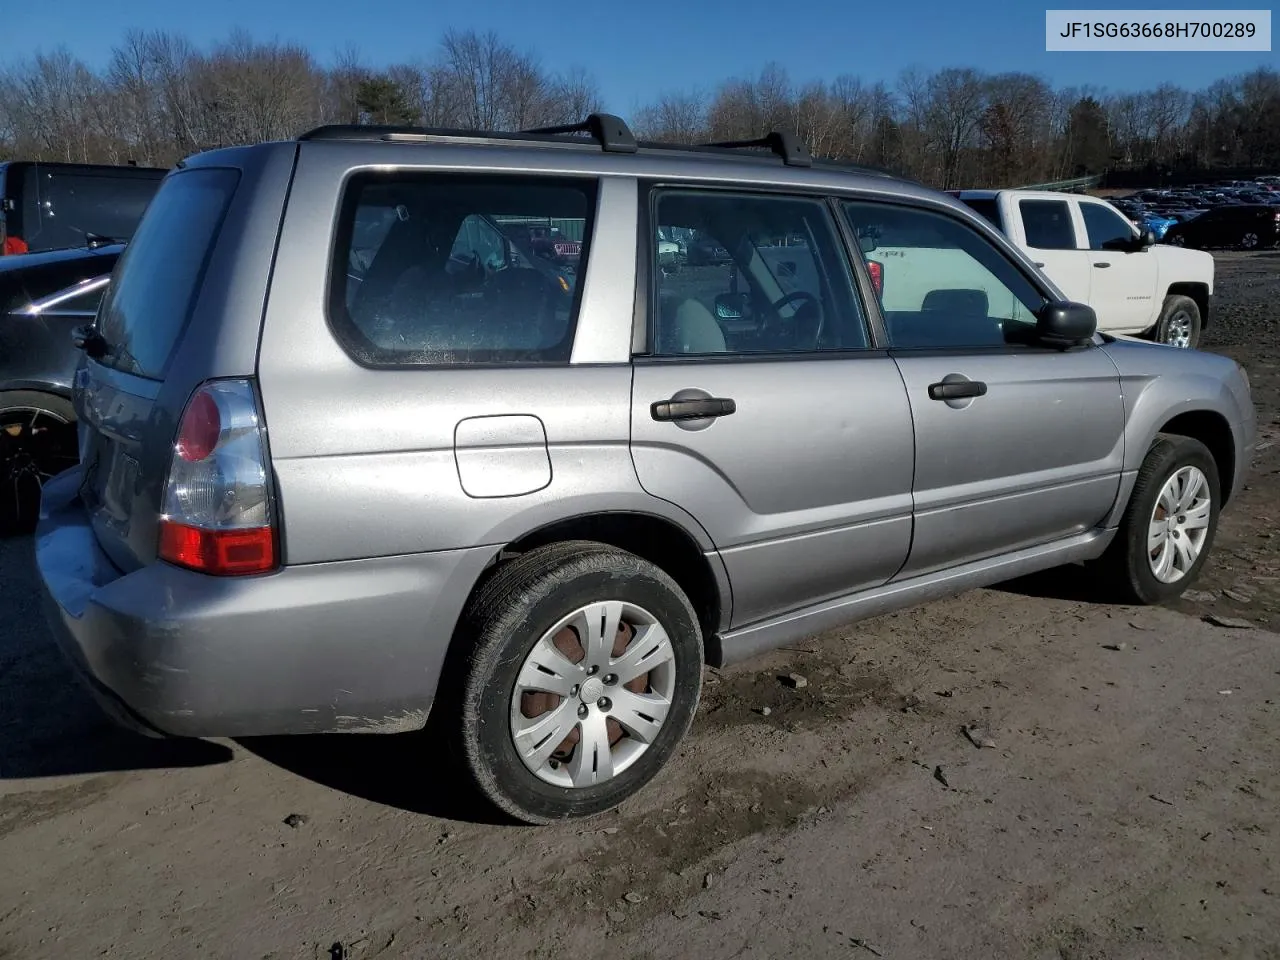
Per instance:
x=876, y=269
x=218, y=516
x=14, y=245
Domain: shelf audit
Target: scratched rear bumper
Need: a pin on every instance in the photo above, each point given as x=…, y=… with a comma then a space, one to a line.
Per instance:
x=355, y=646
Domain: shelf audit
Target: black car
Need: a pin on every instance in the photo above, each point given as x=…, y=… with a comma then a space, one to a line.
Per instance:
x=43, y=298
x=1248, y=226
x=52, y=206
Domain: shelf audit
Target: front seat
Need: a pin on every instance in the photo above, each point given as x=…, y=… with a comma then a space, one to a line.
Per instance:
x=693, y=329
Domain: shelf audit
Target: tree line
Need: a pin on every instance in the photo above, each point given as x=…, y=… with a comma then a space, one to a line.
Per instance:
x=161, y=98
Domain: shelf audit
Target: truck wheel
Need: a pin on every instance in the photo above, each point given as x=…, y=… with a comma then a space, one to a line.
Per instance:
x=1179, y=323
x=583, y=674
x=1169, y=525
x=37, y=440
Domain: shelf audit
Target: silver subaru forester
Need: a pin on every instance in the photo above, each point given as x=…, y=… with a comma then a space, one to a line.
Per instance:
x=360, y=436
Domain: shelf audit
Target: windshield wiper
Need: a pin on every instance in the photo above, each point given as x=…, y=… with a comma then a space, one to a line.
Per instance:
x=93, y=240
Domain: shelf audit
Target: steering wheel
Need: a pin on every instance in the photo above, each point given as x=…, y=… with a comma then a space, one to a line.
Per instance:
x=801, y=296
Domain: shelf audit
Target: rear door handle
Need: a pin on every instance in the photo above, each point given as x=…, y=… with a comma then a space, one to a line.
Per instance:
x=697, y=409
x=1039, y=263
x=1102, y=264
x=957, y=389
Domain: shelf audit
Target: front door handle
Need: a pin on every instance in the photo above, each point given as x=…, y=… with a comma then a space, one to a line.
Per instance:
x=1102, y=264
x=957, y=389
x=695, y=409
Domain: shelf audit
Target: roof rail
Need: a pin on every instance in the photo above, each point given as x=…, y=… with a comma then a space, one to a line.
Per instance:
x=612, y=133
x=792, y=151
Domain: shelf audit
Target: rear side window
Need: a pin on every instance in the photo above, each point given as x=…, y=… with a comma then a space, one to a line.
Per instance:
x=452, y=269
x=158, y=276
x=1048, y=224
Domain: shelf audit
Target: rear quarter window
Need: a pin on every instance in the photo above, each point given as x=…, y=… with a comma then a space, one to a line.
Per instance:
x=443, y=269
x=158, y=276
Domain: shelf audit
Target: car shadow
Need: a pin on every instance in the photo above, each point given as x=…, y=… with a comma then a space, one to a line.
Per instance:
x=49, y=724
x=413, y=772
x=1073, y=583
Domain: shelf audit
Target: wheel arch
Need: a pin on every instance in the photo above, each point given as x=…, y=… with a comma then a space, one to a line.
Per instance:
x=663, y=542
x=1213, y=430
x=1197, y=292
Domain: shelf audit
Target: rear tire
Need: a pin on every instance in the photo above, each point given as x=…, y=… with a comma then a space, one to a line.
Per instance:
x=37, y=441
x=1179, y=323
x=1132, y=564
x=516, y=632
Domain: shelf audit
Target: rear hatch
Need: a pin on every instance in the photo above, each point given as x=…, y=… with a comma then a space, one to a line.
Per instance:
x=127, y=411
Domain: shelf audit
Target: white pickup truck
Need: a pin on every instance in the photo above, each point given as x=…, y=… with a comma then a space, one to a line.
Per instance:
x=1094, y=255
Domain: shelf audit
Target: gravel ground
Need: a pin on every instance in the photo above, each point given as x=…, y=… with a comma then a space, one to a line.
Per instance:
x=1127, y=809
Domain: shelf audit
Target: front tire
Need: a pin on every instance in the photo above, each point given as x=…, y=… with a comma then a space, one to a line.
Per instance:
x=1179, y=323
x=1169, y=525
x=584, y=675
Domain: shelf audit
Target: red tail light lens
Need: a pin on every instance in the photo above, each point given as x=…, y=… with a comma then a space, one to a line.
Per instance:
x=218, y=516
x=218, y=552
x=876, y=269
x=13, y=245
x=200, y=429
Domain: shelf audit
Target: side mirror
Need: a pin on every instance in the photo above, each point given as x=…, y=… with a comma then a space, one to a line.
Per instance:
x=731, y=306
x=1065, y=324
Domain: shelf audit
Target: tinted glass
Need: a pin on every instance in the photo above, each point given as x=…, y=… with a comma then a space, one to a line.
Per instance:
x=944, y=284
x=158, y=276
x=444, y=269
x=758, y=274
x=62, y=208
x=988, y=208
x=1103, y=225
x=1048, y=224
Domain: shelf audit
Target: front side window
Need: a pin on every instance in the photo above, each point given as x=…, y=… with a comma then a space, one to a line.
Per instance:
x=943, y=284
x=1047, y=224
x=1104, y=227
x=454, y=269
x=751, y=274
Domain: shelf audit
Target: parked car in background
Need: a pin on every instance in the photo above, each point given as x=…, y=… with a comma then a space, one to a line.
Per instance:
x=1249, y=227
x=43, y=298
x=1096, y=256
x=1156, y=222
x=53, y=206
x=537, y=516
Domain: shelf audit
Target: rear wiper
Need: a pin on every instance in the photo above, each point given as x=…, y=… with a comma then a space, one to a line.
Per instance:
x=88, y=339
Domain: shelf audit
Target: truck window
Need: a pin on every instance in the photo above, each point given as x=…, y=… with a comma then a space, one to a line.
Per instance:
x=986, y=207
x=1047, y=224
x=1103, y=225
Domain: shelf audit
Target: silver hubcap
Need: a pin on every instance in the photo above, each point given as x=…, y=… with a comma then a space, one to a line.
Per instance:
x=1250, y=240
x=1177, y=331
x=1178, y=241
x=593, y=694
x=1179, y=525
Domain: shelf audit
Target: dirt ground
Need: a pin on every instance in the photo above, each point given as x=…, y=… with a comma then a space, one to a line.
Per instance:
x=1129, y=808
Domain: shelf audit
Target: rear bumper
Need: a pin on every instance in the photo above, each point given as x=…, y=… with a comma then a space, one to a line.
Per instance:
x=354, y=646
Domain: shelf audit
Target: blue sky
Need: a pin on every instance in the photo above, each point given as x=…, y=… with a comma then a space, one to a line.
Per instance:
x=637, y=47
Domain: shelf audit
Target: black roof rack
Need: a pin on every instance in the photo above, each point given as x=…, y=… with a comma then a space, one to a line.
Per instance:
x=792, y=151
x=610, y=132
